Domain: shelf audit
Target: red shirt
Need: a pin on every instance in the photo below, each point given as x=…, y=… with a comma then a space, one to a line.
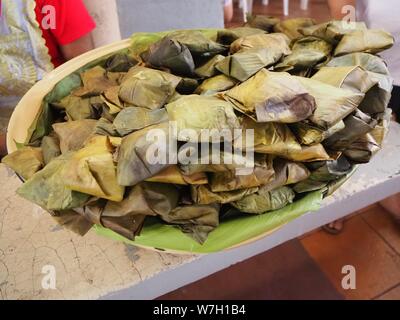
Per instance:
x=72, y=22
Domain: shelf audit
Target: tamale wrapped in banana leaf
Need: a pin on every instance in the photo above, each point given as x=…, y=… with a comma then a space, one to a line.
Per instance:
x=91, y=170
x=134, y=118
x=175, y=176
x=262, y=22
x=73, y=134
x=134, y=162
x=197, y=42
x=309, y=134
x=306, y=53
x=202, y=112
x=243, y=64
x=370, y=41
x=332, y=104
x=77, y=108
x=291, y=27
x=262, y=173
x=270, y=137
x=25, y=161
x=170, y=54
x=332, y=31
x=147, y=88
x=367, y=61
x=226, y=162
x=216, y=84
x=227, y=36
x=95, y=82
x=141, y=42
x=202, y=194
x=50, y=147
x=277, y=42
x=356, y=125
x=105, y=127
x=312, y=153
x=362, y=150
x=263, y=201
x=196, y=220
x=209, y=69
x=272, y=97
x=120, y=63
x=286, y=173
x=324, y=173
x=48, y=190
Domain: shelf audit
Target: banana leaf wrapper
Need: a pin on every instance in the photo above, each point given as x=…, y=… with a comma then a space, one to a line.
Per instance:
x=50, y=148
x=382, y=128
x=111, y=100
x=227, y=36
x=324, y=173
x=333, y=31
x=278, y=42
x=138, y=155
x=174, y=176
x=270, y=137
x=202, y=194
x=120, y=62
x=147, y=88
x=244, y=64
x=309, y=134
x=25, y=161
x=202, y=112
x=91, y=170
x=332, y=104
x=77, y=108
x=227, y=162
x=47, y=188
x=170, y=54
x=72, y=221
x=286, y=173
x=197, y=43
x=141, y=42
x=262, y=173
x=196, y=220
x=377, y=87
x=356, y=125
x=215, y=85
x=362, y=150
x=306, y=53
x=312, y=153
x=73, y=134
x=367, y=61
x=132, y=119
x=186, y=86
x=272, y=97
x=208, y=69
x=263, y=201
x=262, y=22
x=369, y=41
x=95, y=82
x=105, y=127
x=291, y=27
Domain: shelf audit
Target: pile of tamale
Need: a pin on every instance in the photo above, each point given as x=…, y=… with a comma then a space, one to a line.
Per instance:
x=316, y=96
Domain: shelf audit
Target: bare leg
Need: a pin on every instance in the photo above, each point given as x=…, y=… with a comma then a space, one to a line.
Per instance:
x=3, y=145
x=392, y=205
x=334, y=227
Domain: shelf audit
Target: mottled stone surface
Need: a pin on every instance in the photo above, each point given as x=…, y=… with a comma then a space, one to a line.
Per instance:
x=94, y=266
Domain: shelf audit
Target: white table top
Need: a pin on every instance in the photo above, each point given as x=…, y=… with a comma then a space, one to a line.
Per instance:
x=96, y=267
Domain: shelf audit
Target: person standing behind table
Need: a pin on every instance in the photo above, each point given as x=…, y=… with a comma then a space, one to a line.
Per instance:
x=378, y=15
x=228, y=10
x=36, y=36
